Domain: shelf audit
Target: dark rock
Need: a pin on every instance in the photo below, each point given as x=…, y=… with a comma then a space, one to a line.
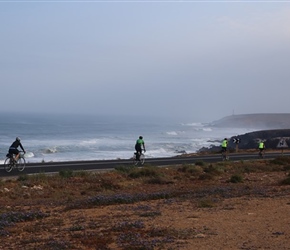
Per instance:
x=250, y=140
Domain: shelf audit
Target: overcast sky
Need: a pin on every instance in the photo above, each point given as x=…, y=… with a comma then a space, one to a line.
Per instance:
x=190, y=60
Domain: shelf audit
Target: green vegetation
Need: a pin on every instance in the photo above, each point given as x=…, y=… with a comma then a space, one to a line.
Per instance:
x=236, y=178
x=144, y=172
x=286, y=181
x=66, y=173
x=206, y=203
x=281, y=160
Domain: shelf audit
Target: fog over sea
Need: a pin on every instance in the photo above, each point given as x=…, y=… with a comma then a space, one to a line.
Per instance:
x=82, y=137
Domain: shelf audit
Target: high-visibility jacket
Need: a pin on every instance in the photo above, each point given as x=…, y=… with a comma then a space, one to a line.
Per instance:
x=224, y=143
x=261, y=145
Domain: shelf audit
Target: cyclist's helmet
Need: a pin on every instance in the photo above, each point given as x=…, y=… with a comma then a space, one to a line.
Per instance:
x=17, y=139
x=140, y=137
x=226, y=139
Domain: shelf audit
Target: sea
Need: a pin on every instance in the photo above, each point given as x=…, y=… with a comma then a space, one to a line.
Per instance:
x=59, y=137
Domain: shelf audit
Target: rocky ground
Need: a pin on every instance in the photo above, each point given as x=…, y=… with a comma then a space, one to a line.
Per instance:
x=227, y=205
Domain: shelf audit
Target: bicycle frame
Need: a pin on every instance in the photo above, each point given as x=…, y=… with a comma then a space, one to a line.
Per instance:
x=11, y=163
x=141, y=159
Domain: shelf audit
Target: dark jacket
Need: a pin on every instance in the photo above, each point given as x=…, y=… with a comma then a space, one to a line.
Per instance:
x=16, y=144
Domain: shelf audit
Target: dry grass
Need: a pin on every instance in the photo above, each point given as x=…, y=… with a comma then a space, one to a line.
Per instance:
x=130, y=208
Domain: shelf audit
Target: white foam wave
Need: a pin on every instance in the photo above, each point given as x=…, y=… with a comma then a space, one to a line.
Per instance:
x=29, y=155
x=193, y=124
x=162, y=152
x=172, y=133
x=49, y=150
x=89, y=142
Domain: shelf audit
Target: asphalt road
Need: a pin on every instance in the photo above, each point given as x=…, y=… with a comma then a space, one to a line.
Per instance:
x=55, y=167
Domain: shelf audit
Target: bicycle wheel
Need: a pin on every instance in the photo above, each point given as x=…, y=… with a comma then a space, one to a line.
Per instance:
x=135, y=162
x=8, y=166
x=21, y=164
x=142, y=159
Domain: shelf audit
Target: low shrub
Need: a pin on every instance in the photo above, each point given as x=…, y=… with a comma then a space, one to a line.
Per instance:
x=200, y=163
x=206, y=176
x=125, y=225
x=66, y=173
x=192, y=169
x=101, y=200
x=236, y=179
x=144, y=172
x=10, y=218
x=281, y=160
x=40, y=177
x=77, y=227
x=158, y=180
x=214, y=170
x=286, y=181
x=82, y=174
x=286, y=168
x=58, y=244
x=205, y=203
x=109, y=183
x=150, y=214
x=23, y=177
x=124, y=169
x=260, y=167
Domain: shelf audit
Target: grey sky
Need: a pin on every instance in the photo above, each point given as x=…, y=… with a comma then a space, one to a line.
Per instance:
x=194, y=61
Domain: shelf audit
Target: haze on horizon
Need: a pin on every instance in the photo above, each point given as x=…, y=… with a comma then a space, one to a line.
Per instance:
x=188, y=60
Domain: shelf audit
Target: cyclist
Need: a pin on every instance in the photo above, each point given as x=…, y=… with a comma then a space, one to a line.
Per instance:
x=224, y=146
x=13, y=148
x=138, y=147
x=261, y=148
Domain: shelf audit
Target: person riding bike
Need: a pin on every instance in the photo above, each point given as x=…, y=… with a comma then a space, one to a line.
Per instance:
x=138, y=147
x=224, y=146
x=13, y=148
x=261, y=148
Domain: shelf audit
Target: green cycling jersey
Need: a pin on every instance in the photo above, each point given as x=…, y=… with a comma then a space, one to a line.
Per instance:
x=140, y=142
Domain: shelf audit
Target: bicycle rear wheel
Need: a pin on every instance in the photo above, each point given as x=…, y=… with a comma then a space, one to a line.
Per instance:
x=21, y=164
x=142, y=159
x=135, y=162
x=8, y=165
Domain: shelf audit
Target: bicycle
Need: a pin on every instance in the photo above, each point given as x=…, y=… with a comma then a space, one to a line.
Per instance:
x=10, y=162
x=261, y=154
x=141, y=157
x=225, y=157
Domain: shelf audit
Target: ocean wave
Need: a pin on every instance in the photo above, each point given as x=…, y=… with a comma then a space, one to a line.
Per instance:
x=60, y=140
x=193, y=124
x=89, y=142
x=29, y=155
x=49, y=150
x=172, y=133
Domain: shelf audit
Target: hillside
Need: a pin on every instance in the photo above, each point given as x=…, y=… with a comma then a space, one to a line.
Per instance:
x=223, y=205
x=256, y=121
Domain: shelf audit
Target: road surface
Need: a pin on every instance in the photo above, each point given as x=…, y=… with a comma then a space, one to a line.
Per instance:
x=55, y=167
